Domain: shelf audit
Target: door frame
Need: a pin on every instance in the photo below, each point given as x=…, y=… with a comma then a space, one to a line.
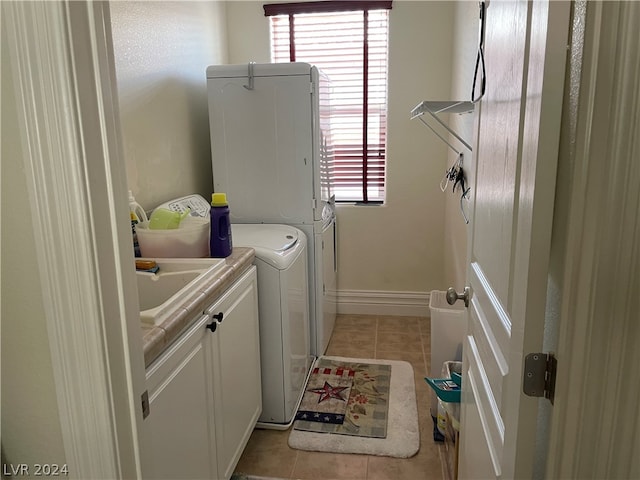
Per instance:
x=64, y=76
x=592, y=290
x=97, y=396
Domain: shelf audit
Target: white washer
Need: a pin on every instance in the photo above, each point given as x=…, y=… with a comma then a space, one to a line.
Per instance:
x=283, y=305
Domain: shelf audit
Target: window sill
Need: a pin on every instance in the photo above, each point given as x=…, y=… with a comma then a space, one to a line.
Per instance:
x=359, y=204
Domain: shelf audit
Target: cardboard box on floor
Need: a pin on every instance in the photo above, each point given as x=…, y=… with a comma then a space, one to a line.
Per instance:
x=451, y=449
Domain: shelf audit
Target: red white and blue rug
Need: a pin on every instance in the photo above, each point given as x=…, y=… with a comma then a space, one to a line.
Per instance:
x=327, y=394
x=401, y=437
x=346, y=398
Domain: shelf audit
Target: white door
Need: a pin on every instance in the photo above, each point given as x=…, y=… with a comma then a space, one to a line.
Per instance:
x=513, y=183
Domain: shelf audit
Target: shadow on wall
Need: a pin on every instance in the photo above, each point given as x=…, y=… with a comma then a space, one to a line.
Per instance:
x=165, y=132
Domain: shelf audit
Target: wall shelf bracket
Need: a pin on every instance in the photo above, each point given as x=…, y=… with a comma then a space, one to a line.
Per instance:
x=435, y=108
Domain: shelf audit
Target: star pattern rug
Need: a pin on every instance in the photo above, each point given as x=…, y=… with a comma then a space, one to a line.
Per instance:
x=326, y=396
x=346, y=398
x=403, y=433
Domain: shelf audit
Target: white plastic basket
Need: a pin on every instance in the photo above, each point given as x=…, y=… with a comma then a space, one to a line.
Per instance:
x=448, y=327
x=438, y=305
x=191, y=240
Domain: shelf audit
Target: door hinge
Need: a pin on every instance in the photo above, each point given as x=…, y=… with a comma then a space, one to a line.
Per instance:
x=145, y=404
x=540, y=375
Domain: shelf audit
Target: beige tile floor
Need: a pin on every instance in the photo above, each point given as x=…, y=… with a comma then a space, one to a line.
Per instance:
x=359, y=336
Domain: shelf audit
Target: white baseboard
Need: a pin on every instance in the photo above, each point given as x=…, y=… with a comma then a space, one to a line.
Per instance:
x=375, y=302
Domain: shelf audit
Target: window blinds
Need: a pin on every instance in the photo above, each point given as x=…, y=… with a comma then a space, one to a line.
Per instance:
x=351, y=48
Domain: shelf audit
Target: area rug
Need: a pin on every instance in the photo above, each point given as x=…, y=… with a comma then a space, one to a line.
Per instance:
x=346, y=398
x=403, y=434
x=326, y=397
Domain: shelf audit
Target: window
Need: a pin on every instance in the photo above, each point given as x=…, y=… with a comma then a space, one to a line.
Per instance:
x=348, y=41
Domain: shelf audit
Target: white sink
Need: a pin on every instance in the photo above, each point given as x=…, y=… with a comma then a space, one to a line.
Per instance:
x=176, y=282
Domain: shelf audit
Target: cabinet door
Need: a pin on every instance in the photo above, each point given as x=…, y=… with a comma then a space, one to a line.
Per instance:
x=180, y=400
x=236, y=361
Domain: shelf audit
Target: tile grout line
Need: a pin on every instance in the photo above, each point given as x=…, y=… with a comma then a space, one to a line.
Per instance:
x=295, y=463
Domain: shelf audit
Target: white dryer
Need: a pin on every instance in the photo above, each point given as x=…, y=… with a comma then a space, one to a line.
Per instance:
x=283, y=305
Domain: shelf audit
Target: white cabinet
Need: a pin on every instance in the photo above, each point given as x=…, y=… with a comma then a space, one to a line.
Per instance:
x=204, y=391
x=237, y=391
x=182, y=430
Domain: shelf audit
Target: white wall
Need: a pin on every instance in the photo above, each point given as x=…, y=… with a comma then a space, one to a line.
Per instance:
x=396, y=247
x=465, y=44
x=162, y=50
x=31, y=431
x=248, y=32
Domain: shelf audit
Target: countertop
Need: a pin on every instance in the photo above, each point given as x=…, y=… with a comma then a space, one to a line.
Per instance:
x=156, y=338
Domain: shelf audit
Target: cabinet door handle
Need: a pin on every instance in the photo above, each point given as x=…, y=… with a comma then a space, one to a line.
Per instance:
x=212, y=326
x=218, y=317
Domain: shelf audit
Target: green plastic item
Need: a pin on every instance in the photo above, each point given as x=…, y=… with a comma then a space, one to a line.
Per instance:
x=165, y=219
x=446, y=389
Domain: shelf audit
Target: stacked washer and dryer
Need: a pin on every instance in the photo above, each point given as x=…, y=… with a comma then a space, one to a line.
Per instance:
x=272, y=155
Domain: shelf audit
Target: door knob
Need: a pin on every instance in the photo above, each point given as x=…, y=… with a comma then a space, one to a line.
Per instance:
x=453, y=296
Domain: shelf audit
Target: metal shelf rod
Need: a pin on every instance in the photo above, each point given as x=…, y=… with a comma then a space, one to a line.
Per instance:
x=433, y=108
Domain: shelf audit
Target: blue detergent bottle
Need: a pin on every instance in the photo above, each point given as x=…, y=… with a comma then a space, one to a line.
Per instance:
x=220, y=244
x=138, y=215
